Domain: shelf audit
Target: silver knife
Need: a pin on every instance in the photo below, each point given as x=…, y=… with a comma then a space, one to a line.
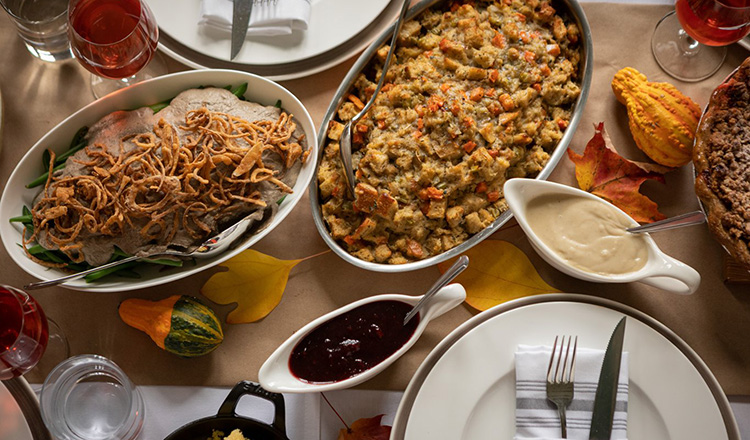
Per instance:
x=240, y=18
x=606, y=389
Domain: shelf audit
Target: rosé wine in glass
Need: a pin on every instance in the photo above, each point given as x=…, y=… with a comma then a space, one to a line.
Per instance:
x=114, y=39
x=711, y=25
x=23, y=332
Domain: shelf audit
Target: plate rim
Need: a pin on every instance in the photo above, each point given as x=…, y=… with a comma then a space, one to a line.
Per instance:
x=412, y=390
x=24, y=395
x=291, y=70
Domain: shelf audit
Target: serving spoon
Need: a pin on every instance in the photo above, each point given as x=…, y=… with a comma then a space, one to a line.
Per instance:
x=345, y=142
x=213, y=246
x=678, y=221
x=458, y=267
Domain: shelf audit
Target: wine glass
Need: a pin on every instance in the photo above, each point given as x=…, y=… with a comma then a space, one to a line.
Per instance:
x=690, y=42
x=115, y=40
x=24, y=332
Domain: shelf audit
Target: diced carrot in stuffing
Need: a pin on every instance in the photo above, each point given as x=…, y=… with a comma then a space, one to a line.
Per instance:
x=420, y=124
x=507, y=102
x=434, y=103
x=493, y=75
x=476, y=94
x=417, y=134
x=493, y=196
x=529, y=56
x=357, y=102
x=498, y=40
x=469, y=146
x=537, y=87
x=362, y=128
x=563, y=124
x=419, y=108
x=481, y=187
x=430, y=193
x=381, y=123
x=553, y=49
x=545, y=70
x=445, y=87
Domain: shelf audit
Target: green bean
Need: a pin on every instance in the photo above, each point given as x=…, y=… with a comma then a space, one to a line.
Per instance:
x=240, y=90
x=104, y=272
x=22, y=219
x=43, y=178
x=163, y=261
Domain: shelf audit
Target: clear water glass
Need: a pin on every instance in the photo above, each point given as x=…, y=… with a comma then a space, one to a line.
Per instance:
x=43, y=27
x=88, y=397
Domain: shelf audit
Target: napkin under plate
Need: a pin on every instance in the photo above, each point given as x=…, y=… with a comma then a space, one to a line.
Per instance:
x=537, y=417
x=268, y=17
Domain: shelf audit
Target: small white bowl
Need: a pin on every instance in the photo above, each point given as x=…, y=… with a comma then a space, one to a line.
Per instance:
x=661, y=270
x=275, y=375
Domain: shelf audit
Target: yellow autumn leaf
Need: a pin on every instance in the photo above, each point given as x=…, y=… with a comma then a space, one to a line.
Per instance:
x=255, y=281
x=498, y=272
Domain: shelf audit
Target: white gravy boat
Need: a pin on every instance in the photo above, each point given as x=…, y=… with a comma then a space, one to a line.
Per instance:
x=276, y=376
x=660, y=270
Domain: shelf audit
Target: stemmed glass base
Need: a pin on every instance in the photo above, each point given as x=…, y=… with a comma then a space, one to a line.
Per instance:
x=680, y=55
x=101, y=86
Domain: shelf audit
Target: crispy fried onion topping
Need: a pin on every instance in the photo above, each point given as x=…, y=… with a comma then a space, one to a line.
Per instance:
x=161, y=185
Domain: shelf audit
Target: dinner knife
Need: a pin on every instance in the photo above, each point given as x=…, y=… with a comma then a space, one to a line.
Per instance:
x=606, y=389
x=240, y=18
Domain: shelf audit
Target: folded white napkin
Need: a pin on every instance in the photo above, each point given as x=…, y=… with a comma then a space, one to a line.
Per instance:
x=268, y=17
x=537, y=418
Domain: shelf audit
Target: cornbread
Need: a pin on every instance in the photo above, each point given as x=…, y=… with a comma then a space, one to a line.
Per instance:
x=477, y=93
x=722, y=163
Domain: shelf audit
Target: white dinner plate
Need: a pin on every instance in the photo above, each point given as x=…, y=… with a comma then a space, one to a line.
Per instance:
x=16, y=195
x=20, y=418
x=337, y=30
x=465, y=389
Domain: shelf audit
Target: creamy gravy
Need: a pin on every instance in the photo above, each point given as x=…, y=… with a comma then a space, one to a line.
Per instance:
x=587, y=234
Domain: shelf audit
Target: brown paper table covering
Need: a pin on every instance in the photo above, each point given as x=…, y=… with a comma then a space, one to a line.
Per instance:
x=715, y=321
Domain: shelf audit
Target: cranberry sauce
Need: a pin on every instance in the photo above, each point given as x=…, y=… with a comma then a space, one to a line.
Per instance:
x=352, y=342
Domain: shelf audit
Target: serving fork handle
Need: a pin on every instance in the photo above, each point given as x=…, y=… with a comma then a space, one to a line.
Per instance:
x=77, y=275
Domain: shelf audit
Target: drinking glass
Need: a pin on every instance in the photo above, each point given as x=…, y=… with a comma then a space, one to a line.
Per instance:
x=24, y=332
x=26, y=335
x=115, y=40
x=43, y=27
x=88, y=397
x=690, y=42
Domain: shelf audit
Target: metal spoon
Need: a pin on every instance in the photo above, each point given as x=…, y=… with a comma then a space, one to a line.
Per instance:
x=690, y=218
x=208, y=248
x=458, y=267
x=345, y=143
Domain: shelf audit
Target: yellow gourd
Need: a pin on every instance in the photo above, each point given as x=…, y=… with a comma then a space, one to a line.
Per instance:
x=662, y=120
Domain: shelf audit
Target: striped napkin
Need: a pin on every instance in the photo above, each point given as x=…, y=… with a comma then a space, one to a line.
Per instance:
x=268, y=17
x=537, y=418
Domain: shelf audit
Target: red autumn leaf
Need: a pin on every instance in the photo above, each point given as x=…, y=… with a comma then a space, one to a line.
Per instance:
x=601, y=171
x=366, y=429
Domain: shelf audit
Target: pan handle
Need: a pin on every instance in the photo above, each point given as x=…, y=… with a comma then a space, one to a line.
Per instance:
x=229, y=407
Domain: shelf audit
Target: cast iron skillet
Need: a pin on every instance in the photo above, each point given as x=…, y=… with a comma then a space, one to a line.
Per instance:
x=227, y=420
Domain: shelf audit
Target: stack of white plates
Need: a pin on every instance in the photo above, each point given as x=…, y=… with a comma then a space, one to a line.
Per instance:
x=337, y=30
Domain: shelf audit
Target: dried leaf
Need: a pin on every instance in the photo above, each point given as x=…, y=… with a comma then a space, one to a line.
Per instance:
x=255, y=281
x=601, y=171
x=366, y=429
x=498, y=272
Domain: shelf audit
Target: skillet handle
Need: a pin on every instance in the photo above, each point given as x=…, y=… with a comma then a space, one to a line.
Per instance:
x=229, y=407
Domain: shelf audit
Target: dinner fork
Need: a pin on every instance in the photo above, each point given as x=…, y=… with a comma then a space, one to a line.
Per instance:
x=560, y=380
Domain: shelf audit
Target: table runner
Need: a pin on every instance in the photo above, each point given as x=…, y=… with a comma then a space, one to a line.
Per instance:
x=714, y=321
